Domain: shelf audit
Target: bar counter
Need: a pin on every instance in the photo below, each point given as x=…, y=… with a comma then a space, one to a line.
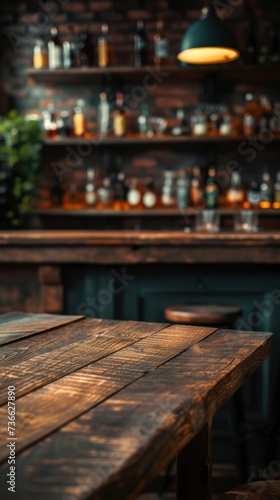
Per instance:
x=137, y=247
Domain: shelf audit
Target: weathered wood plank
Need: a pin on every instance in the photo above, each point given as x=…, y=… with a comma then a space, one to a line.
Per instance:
x=75, y=393
x=39, y=361
x=17, y=325
x=120, y=445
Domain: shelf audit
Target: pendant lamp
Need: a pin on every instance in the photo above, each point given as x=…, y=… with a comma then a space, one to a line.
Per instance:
x=208, y=41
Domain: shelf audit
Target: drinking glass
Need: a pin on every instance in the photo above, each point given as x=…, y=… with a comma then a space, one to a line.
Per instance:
x=246, y=221
x=207, y=221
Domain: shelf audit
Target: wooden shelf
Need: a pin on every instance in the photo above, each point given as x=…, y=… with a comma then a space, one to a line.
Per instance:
x=129, y=74
x=135, y=139
x=91, y=212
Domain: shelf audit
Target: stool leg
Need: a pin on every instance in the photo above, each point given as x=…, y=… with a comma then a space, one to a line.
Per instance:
x=237, y=421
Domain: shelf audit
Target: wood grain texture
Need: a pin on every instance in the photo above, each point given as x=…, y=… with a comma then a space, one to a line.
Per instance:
x=14, y=326
x=120, y=445
x=261, y=490
x=75, y=393
x=134, y=247
x=32, y=363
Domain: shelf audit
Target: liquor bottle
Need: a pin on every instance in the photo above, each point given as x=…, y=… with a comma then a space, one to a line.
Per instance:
x=276, y=203
x=105, y=195
x=183, y=191
x=140, y=45
x=251, y=116
x=266, y=191
x=235, y=195
x=40, y=55
x=120, y=193
x=85, y=50
x=50, y=122
x=251, y=52
x=70, y=50
x=55, y=50
x=275, y=47
x=134, y=194
x=253, y=196
x=161, y=46
x=211, y=189
x=103, y=114
x=119, y=117
x=79, y=122
x=266, y=107
x=103, y=47
x=168, y=194
x=90, y=191
x=196, y=192
x=150, y=197
x=143, y=120
x=73, y=199
x=65, y=124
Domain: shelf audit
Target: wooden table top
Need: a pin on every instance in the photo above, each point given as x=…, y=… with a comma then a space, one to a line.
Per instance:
x=102, y=406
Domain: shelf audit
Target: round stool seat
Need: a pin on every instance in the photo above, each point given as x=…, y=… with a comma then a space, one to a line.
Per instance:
x=202, y=314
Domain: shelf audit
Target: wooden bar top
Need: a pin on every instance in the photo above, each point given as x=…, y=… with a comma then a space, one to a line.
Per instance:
x=132, y=247
x=101, y=406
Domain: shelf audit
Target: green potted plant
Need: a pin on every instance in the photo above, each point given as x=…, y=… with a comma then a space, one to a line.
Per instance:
x=20, y=151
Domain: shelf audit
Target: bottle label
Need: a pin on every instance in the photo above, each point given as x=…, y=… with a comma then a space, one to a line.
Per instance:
x=133, y=197
x=90, y=198
x=103, y=53
x=119, y=125
x=162, y=49
x=149, y=199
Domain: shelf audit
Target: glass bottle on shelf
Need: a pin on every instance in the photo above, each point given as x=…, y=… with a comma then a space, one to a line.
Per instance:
x=150, y=196
x=161, y=46
x=85, y=49
x=168, y=193
x=251, y=115
x=119, y=117
x=49, y=122
x=90, y=191
x=120, y=193
x=183, y=190
x=140, y=45
x=134, y=194
x=79, y=122
x=70, y=50
x=103, y=114
x=103, y=48
x=40, y=54
x=65, y=124
x=266, y=191
x=253, y=196
x=196, y=191
x=266, y=109
x=199, y=123
x=55, y=50
x=235, y=195
x=73, y=198
x=211, y=190
x=105, y=195
x=143, y=120
x=276, y=203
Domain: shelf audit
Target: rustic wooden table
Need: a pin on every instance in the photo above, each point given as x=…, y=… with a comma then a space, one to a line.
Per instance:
x=102, y=406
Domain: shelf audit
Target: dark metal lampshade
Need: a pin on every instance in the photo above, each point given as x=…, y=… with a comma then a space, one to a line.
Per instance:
x=208, y=41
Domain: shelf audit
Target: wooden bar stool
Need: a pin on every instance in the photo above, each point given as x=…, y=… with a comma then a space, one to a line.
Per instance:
x=262, y=490
x=204, y=315
x=218, y=315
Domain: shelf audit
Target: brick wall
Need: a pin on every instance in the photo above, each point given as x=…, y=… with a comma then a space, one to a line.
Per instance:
x=23, y=21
